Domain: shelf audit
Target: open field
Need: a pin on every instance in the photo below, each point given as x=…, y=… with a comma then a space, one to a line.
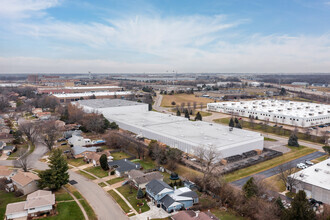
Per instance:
x=275, y=184
x=120, y=201
x=226, y=215
x=295, y=153
x=131, y=198
x=184, y=98
x=97, y=171
x=146, y=163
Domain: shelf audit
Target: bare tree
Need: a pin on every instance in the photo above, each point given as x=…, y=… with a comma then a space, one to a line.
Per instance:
x=287, y=174
x=210, y=162
x=31, y=130
x=23, y=160
x=251, y=120
x=194, y=105
x=50, y=133
x=201, y=105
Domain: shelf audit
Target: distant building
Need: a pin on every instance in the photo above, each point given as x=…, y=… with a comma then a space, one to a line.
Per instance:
x=300, y=83
x=32, y=78
x=315, y=181
x=69, y=97
x=78, y=89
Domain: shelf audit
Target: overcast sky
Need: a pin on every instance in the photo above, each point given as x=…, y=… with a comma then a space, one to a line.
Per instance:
x=75, y=36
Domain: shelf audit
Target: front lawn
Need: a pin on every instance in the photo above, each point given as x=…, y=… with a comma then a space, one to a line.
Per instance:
x=97, y=171
x=67, y=210
x=119, y=155
x=102, y=184
x=62, y=195
x=76, y=162
x=296, y=152
x=6, y=198
x=146, y=164
x=131, y=197
x=116, y=180
x=88, y=176
x=120, y=201
x=90, y=212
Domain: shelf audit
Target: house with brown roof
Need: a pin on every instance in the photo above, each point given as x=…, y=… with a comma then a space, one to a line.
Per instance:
x=5, y=172
x=38, y=203
x=194, y=215
x=94, y=157
x=141, y=179
x=26, y=182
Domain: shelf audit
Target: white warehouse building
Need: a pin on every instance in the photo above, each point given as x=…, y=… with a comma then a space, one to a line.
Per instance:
x=301, y=114
x=175, y=131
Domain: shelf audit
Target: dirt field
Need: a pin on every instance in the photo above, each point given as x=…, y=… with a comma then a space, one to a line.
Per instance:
x=184, y=98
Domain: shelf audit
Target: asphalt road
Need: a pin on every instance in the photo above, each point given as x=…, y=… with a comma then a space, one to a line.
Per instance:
x=275, y=170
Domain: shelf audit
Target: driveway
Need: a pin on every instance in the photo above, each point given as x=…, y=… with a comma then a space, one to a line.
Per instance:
x=273, y=171
x=153, y=213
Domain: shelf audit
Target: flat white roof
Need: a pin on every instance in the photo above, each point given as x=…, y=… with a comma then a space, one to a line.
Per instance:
x=84, y=94
x=106, y=103
x=279, y=107
x=83, y=87
x=317, y=175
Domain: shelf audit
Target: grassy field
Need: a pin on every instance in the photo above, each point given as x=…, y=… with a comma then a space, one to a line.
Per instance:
x=62, y=195
x=226, y=215
x=67, y=210
x=86, y=175
x=120, y=201
x=97, y=171
x=131, y=198
x=146, y=164
x=275, y=184
x=6, y=198
x=270, y=129
x=115, y=180
x=76, y=162
x=269, y=139
x=119, y=155
x=295, y=153
x=184, y=98
x=320, y=159
x=90, y=212
x=187, y=172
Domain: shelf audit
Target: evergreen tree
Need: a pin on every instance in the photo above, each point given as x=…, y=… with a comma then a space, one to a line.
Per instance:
x=104, y=162
x=186, y=114
x=250, y=188
x=198, y=117
x=283, y=91
x=293, y=140
x=300, y=208
x=231, y=123
x=326, y=149
x=238, y=125
x=191, y=112
x=178, y=113
x=140, y=194
x=279, y=203
x=236, y=121
x=57, y=175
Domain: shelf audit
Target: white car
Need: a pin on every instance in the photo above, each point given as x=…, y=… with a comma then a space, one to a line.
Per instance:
x=301, y=166
x=308, y=162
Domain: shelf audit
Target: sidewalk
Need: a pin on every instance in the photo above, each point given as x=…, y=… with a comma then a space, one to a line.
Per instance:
x=78, y=203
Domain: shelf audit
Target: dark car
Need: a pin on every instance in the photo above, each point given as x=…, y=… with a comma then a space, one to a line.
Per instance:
x=60, y=140
x=64, y=144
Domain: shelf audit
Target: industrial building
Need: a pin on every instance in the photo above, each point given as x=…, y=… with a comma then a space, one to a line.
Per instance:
x=69, y=97
x=77, y=89
x=301, y=114
x=315, y=181
x=175, y=131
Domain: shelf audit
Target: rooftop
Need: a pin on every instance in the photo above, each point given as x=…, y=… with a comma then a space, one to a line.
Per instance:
x=24, y=178
x=84, y=94
x=317, y=175
x=106, y=103
x=123, y=165
x=83, y=87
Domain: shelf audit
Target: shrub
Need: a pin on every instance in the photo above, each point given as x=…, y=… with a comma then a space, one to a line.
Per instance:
x=18, y=193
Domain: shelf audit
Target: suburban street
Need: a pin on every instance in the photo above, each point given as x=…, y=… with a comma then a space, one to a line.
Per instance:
x=273, y=171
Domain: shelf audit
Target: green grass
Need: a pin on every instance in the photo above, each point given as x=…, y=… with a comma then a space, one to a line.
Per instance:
x=131, y=198
x=120, y=201
x=320, y=159
x=77, y=195
x=269, y=139
x=290, y=194
x=15, y=154
x=102, y=184
x=146, y=164
x=115, y=180
x=90, y=212
x=76, y=162
x=295, y=153
x=6, y=198
x=62, y=195
x=97, y=171
x=275, y=183
x=226, y=215
x=119, y=155
x=67, y=210
x=88, y=176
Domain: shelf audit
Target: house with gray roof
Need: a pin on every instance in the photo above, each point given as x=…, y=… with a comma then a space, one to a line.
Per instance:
x=80, y=152
x=168, y=198
x=122, y=167
x=141, y=179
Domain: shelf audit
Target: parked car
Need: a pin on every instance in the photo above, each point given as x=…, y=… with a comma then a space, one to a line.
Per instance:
x=60, y=140
x=301, y=166
x=308, y=162
x=64, y=144
x=66, y=151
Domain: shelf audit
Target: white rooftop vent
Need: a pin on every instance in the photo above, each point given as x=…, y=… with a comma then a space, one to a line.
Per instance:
x=317, y=170
x=301, y=175
x=328, y=164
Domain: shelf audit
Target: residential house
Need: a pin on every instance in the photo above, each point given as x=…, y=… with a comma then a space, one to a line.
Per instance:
x=5, y=172
x=44, y=115
x=78, y=141
x=38, y=203
x=6, y=137
x=2, y=144
x=8, y=149
x=94, y=157
x=194, y=215
x=170, y=199
x=141, y=179
x=122, y=167
x=26, y=182
x=36, y=110
x=80, y=152
x=69, y=134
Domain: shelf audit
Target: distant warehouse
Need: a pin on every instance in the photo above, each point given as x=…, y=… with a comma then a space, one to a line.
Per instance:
x=69, y=97
x=175, y=131
x=301, y=114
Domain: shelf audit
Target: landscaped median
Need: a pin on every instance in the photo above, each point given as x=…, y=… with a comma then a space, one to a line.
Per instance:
x=295, y=153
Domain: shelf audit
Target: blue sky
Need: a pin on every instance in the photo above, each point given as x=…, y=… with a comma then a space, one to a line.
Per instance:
x=254, y=36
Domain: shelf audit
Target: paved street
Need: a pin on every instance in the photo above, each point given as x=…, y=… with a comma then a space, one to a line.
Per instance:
x=273, y=171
